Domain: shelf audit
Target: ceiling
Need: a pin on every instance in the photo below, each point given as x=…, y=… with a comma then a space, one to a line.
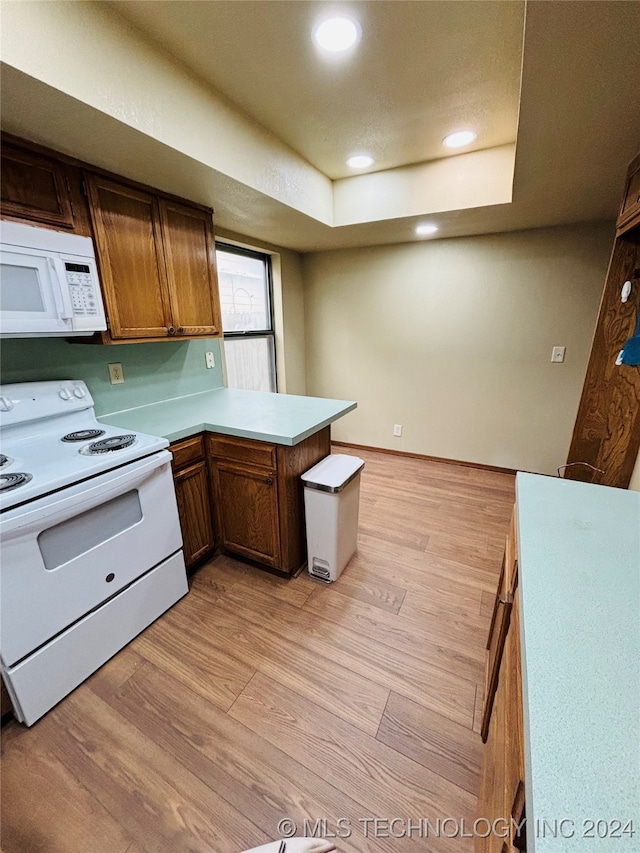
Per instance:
x=227, y=103
x=421, y=71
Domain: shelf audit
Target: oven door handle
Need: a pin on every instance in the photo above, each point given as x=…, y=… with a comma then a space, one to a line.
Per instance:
x=46, y=512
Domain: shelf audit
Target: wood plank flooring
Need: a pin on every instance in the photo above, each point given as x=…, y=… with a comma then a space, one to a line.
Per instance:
x=256, y=698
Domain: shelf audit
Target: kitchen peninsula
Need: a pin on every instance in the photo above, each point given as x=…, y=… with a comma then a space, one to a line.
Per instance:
x=238, y=457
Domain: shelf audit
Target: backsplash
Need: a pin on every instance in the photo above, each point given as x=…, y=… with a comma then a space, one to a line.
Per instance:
x=152, y=372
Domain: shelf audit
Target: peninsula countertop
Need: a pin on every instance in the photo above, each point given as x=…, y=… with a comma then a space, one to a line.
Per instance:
x=579, y=589
x=277, y=418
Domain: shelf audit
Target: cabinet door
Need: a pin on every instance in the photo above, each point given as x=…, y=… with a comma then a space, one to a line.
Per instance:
x=514, y=768
x=492, y=803
x=194, y=508
x=495, y=646
x=126, y=224
x=247, y=498
x=34, y=188
x=189, y=250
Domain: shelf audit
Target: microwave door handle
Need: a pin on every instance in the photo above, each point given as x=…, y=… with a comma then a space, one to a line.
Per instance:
x=60, y=289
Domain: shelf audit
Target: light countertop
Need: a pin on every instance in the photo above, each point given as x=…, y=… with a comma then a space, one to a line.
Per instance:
x=278, y=418
x=579, y=587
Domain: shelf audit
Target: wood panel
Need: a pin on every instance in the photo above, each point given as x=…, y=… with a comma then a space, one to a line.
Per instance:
x=5, y=701
x=35, y=188
x=292, y=462
x=514, y=766
x=495, y=647
x=630, y=208
x=132, y=269
x=492, y=803
x=189, y=251
x=225, y=706
x=194, y=509
x=606, y=434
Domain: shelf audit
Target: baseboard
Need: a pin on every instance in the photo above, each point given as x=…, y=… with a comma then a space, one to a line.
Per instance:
x=406, y=453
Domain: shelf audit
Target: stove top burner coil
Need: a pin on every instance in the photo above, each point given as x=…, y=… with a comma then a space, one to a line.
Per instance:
x=83, y=435
x=4, y=460
x=109, y=445
x=12, y=481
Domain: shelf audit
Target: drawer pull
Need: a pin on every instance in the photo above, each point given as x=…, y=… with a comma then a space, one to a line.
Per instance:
x=171, y=330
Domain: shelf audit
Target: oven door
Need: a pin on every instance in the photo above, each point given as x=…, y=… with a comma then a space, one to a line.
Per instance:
x=34, y=298
x=66, y=554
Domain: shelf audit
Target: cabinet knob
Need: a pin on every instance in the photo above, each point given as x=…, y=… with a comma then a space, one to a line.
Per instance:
x=269, y=481
x=180, y=330
x=171, y=330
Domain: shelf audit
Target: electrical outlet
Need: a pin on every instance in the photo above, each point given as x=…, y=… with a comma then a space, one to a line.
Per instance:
x=397, y=429
x=116, y=374
x=210, y=360
x=557, y=354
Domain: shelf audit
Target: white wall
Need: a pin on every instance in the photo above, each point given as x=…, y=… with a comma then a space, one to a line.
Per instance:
x=452, y=339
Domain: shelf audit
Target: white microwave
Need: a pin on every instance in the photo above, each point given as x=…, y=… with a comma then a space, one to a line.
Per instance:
x=49, y=284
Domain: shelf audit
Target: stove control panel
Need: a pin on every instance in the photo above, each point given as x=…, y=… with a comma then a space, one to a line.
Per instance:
x=83, y=290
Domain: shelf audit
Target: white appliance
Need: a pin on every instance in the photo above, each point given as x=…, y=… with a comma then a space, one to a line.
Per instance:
x=90, y=538
x=49, y=284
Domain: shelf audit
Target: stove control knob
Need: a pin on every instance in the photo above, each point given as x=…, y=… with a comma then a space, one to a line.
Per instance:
x=78, y=392
x=5, y=404
x=65, y=394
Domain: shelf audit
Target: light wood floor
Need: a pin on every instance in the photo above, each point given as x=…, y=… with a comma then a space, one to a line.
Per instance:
x=256, y=699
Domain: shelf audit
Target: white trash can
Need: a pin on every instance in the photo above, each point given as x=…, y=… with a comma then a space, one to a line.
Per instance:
x=331, y=503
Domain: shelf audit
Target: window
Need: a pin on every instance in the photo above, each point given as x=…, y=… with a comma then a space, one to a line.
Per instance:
x=244, y=279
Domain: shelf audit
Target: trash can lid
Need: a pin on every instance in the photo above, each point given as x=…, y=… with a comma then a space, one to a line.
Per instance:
x=333, y=473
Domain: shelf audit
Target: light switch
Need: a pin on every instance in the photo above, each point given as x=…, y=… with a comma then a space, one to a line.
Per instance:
x=557, y=354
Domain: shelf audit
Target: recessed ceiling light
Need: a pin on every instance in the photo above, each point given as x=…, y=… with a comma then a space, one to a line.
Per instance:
x=336, y=34
x=427, y=228
x=459, y=139
x=360, y=161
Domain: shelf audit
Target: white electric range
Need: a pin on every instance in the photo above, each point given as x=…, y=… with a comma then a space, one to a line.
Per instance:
x=90, y=537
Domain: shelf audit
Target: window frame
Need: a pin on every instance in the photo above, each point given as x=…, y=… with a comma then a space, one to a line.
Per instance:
x=265, y=257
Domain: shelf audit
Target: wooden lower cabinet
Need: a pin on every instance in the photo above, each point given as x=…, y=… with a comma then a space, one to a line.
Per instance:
x=5, y=703
x=502, y=792
x=191, y=481
x=259, y=496
x=245, y=496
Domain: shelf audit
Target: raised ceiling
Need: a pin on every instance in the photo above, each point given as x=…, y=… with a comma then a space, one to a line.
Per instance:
x=243, y=116
x=421, y=71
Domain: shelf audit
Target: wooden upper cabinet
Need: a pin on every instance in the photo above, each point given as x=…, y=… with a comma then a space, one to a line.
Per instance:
x=126, y=224
x=35, y=188
x=157, y=263
x=189, y=251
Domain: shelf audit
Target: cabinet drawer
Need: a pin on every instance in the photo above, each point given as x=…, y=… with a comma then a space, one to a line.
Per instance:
x=187, y=451
x=242, y=450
